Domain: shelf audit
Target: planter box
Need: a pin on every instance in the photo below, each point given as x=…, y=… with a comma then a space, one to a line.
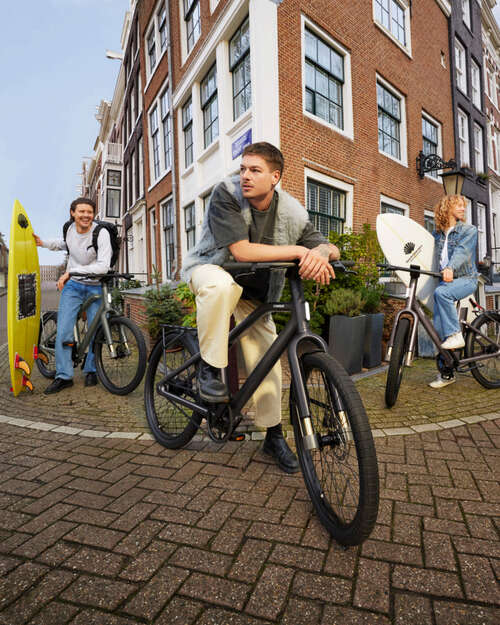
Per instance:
x=346, y=341
x=372, y=352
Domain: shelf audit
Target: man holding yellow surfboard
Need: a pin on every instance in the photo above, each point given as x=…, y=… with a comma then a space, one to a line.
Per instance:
x=83, y=258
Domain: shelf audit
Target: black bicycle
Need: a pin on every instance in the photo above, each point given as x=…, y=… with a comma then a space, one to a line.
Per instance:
x=119, y=346
x=332, y=434
x=481, y=354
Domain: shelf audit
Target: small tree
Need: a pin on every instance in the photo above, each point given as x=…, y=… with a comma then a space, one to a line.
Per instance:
x=162, y=307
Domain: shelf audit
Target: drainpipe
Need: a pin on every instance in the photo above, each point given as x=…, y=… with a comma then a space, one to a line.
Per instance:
x=175, y=267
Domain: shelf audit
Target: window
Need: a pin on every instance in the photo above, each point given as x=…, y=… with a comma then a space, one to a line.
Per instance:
x=113, y=202
x=463, y=139
x=187, y=127
x=114, y=178
x=481, y=231
x=152, y=233
x=209, y=105
x=390, y=208
x=141, y=167
x=430, y=140
x=475, y=73
x=393, y=16
x=155, y=141
x=466, y=12
x=167, y=130
x=152, y=51
x=326, y=207
x=460, y=66
x=429, y=223
x=389, y=122
x=324, y=75
x=190, y=225
x=162, y=27
x=478, y=149
x=193, y=22
x=239, y=66
x=169, y=236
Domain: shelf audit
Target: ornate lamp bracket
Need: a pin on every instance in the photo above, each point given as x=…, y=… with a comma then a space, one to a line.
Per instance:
x=432, y=162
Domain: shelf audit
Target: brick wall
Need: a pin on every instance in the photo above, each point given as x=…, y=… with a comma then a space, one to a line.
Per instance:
x=135, y=309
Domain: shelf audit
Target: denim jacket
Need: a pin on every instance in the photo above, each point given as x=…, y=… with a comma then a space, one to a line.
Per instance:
x=462, y=245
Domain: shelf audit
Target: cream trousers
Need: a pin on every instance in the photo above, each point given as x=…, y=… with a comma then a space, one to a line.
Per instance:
x=217, y=298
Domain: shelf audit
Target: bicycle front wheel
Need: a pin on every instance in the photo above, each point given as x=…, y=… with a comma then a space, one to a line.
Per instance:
x=397, y=362
x=486, y=372
x=120, y=373
x=172, y=424
x=46, y=361
x=341, y=475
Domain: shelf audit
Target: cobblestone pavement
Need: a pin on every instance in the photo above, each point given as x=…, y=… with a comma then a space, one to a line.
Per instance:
x=112, y=531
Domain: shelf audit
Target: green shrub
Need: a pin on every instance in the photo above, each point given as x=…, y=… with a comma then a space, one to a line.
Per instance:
x=162, y=307
x=348, y=302
x=372, y=298
x=188, y=301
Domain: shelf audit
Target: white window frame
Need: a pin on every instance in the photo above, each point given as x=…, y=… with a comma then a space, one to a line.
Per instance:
x=481, y=230
x=460, y=66
x=163, y=169
x=402, y=124
x=191, y=206
x=405, y=6
x=164, y=243
x=439, y=152
x=140, y=147
x=348, y=130
x=466, y=16
x=385, y=199
x=475, y=83
x=152, y=237
x=468, y=210
x=183, y=29
x=428, y=213
x=154, y=29
x=348, y=189
x=463, y=139
x=478, y=134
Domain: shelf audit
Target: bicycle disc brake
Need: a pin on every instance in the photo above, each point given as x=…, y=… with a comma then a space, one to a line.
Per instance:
x=220, y=423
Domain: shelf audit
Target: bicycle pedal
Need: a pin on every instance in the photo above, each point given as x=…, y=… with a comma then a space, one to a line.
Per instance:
x=237, y=436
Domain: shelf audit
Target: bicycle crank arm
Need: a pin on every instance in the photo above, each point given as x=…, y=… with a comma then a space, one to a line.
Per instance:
x=183, y=402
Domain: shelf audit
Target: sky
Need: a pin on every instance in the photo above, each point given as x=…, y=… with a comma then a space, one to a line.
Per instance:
x=54, y=75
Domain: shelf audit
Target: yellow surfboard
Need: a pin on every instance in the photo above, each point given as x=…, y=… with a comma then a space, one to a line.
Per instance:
x=23, y=300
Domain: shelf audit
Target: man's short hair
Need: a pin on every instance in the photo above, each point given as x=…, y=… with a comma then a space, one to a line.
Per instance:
x=269, y=153
x=82, y=200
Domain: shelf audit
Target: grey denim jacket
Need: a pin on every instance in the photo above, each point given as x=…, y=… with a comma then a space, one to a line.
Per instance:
x=462, y=246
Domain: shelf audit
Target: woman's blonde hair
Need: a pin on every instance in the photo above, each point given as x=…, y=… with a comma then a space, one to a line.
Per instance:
x=442, y=210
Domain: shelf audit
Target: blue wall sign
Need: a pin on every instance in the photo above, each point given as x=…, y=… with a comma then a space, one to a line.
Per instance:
x=239, y=145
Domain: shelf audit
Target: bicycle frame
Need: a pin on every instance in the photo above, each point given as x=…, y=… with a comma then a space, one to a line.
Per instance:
x=415, y=311
x=293, y=334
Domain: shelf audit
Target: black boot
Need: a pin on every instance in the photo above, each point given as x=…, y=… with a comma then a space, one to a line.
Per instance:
x=210, y=387
x=276, y=446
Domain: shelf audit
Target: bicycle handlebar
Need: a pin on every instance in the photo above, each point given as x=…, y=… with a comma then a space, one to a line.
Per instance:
x=102, y=277
x=414, y=268
x=280, y=264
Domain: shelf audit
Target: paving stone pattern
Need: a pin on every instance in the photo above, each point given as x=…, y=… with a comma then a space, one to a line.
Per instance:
x=120, y=532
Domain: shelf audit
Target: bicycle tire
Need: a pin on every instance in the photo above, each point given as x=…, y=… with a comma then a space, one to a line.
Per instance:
x=46, y=361
x=172, y=426
x=486, y=372
x=120, y=375
x=396, y=362
x=347, y=506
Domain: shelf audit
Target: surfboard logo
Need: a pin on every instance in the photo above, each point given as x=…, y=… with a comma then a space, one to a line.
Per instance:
x=409, y=247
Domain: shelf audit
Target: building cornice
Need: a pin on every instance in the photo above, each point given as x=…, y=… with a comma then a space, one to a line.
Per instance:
x=445, y=7
x=489, y=23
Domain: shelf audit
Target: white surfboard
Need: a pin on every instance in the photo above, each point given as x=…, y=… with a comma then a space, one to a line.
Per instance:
x=404, y=243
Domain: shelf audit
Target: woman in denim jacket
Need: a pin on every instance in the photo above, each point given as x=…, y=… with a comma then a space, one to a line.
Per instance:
x=455, y=257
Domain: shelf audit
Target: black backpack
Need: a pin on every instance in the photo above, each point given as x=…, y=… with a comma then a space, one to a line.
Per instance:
x=114, y=237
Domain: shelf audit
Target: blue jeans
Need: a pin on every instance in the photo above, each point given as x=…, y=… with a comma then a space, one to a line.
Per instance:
x=445, y=297
x=72, y=297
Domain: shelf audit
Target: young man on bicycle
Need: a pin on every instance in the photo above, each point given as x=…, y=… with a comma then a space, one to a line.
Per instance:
x=248, y=220
x=83, y=258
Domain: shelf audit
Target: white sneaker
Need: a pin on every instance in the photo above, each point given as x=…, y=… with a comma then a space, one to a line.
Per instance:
x=455, y=341
x=441, y=382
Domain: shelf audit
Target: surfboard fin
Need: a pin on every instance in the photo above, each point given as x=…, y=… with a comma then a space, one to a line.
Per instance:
x=20, y=363
x=27, y=384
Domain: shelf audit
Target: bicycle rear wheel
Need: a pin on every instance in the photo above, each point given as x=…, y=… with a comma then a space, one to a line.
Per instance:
x=396, y=363
x=341, y=475
x=122, y=374
x=171, y=424
x=46, y=361
x=486, y=372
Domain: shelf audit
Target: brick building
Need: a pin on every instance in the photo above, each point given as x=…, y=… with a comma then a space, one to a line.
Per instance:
x=4, y=262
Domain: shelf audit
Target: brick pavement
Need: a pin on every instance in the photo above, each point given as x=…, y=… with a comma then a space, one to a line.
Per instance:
x=121, y=532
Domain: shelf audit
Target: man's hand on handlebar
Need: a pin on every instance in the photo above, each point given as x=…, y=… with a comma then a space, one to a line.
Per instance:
x=447, y=274
x=315, y=265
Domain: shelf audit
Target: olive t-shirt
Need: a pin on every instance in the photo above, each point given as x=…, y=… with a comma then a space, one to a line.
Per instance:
x=228, y=226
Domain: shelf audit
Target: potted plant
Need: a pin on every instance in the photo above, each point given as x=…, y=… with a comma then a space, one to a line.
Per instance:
x=374, y=325
x=482, y=178
x=347, y=327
